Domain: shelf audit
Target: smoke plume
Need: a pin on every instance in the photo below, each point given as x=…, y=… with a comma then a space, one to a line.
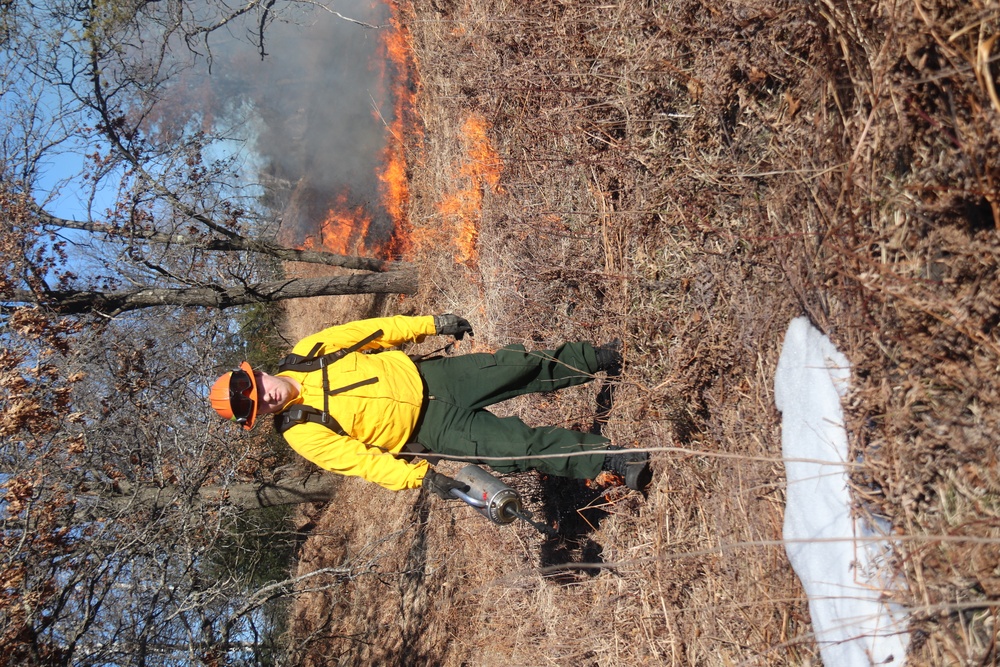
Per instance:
x=323, y=103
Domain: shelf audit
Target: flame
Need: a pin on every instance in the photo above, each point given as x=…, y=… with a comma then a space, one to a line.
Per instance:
x=480, y=167
x=462, y=208
x=398, y=46
x=343, y=231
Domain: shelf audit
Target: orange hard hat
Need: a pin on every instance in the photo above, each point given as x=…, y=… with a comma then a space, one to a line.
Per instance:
x=234, y=396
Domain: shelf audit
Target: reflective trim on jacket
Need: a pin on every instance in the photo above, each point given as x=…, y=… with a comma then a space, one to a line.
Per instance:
x=379, y=417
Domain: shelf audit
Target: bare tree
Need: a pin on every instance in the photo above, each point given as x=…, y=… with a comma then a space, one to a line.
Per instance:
x=127, y=505
x=180, y=228
x=78, y=302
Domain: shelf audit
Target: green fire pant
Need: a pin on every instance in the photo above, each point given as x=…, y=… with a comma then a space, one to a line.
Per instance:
x=454, y=421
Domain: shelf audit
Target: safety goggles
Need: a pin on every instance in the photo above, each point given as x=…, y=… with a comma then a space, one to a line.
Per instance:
x=240, y=385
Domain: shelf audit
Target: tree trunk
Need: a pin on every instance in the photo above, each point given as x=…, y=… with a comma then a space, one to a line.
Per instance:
x=229, y=244
x=314, y=488
x=78, y=302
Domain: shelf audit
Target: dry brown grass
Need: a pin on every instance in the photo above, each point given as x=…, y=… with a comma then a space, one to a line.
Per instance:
x=689, y=178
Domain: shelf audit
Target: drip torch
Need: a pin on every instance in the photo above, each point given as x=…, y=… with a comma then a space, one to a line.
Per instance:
x=494, y=500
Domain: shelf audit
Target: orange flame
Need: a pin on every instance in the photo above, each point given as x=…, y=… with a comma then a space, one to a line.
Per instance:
x=345, y=228
x=398, y=45
x=463, y=207
x=343, y=231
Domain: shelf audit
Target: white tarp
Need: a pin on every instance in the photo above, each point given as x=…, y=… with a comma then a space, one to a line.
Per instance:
x=844, y=577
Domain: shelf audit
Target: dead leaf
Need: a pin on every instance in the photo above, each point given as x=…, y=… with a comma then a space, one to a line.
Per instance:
x=793, y=104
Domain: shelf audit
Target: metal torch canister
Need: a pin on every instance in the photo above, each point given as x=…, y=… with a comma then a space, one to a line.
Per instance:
x=492, y=498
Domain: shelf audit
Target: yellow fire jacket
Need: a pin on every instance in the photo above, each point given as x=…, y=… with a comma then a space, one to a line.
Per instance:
x=379, y=418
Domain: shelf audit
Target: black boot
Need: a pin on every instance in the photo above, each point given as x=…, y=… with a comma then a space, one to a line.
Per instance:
x=633, y=466
x=609, y=358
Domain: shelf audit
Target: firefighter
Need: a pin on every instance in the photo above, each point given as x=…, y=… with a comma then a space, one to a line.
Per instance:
x=352, y=412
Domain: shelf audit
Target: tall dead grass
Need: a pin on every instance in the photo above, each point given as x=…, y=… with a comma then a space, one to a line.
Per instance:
x=917, y=252
x=689, y=178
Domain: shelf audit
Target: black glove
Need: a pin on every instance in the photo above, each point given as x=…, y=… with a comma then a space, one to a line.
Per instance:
x=452, y=325
x=441, y=485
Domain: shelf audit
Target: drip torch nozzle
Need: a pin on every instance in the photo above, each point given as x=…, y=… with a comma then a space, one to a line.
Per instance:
x=543, y=528
x=493, y=499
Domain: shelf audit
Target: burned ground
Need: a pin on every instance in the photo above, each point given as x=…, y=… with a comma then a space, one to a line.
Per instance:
x=689, y=178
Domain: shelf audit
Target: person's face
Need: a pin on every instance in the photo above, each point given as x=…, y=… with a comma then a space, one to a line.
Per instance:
x=273, y=393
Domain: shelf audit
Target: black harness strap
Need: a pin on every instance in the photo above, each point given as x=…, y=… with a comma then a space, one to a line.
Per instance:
x=300, y=414
x=327, y=394
x=310, y=362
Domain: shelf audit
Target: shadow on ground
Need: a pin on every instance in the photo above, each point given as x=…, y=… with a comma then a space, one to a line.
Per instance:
x=574, y=508
x=569, y=506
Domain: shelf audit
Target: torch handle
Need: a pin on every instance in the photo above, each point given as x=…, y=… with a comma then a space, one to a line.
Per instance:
x=467, y=499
